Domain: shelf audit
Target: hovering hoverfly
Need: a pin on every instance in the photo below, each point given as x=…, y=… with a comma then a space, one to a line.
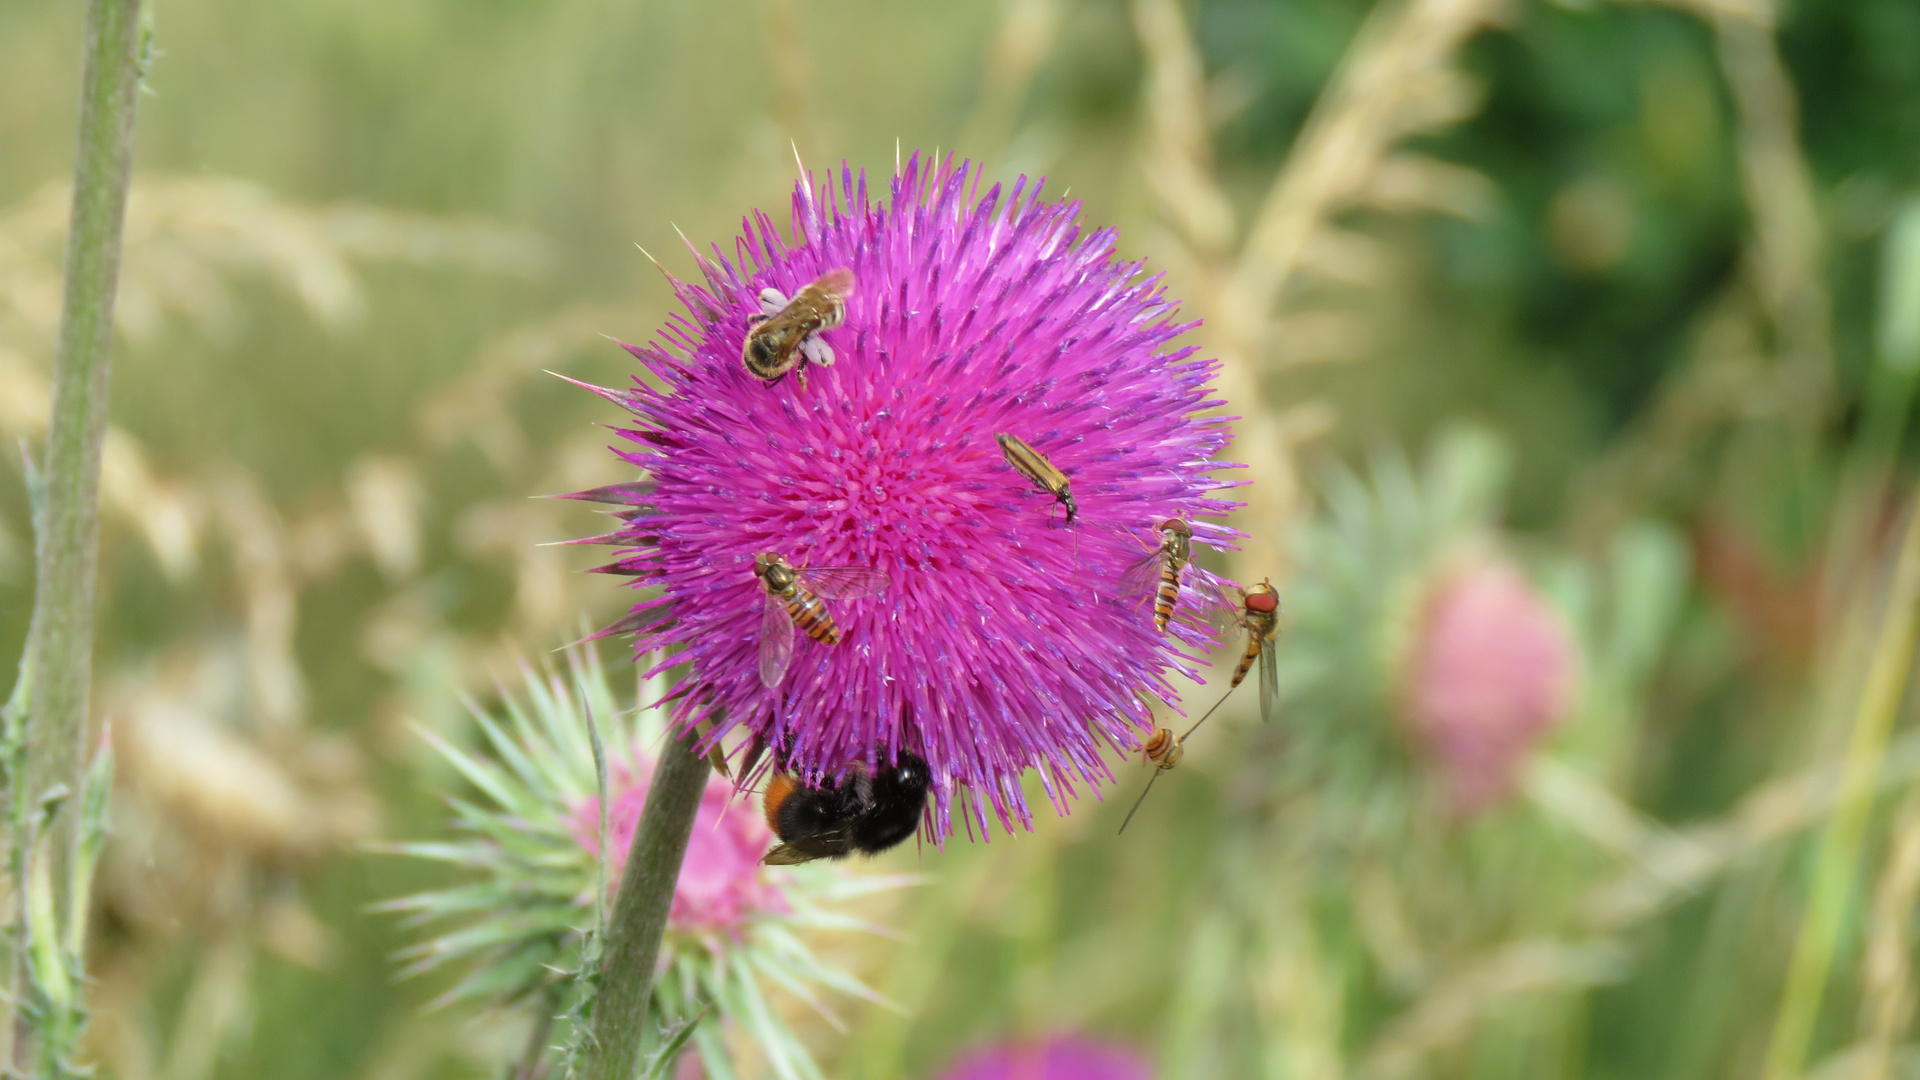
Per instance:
x=1163, y=750
x=786, y=334
x=798, y=597
x=1258, y=613
x=864, y=812
x=1163, y=565
x=1034, y=465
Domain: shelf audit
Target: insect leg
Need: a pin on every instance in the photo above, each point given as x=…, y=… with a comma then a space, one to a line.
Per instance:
x=1210, y=712
x=1141, y=799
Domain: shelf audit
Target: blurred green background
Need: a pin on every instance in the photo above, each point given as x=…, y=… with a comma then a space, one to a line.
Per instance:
x=1625, y=295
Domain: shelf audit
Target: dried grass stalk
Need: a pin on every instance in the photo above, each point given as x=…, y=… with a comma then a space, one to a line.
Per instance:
x=1886, y=983
x=1396, y=80
x=1787, y=259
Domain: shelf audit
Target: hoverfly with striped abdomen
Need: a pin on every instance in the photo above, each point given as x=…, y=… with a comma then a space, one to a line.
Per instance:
x=798, y=597
x=1163, y=750
x=786, y=334
x=1258, y=613
x=1162, y=566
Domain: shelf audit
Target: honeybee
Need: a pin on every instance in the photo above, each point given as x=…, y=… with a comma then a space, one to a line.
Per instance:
x=1163, y=750
x=786, y=334
x=1259, y=616
x=1165, y=564
x=865, y=812
x=1034, y=465
x=798, y=597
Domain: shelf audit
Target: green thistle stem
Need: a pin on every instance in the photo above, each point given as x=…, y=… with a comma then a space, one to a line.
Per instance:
x=639, y=917
x=60, y=643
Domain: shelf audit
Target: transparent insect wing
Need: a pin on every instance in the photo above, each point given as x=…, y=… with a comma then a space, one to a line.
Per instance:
x=1269, y=680
x=1225, y=612
x=783, y=855
x=816, y=350
x=837, y=284
x=776, y=642
x=1142, y=578
x=844, y=582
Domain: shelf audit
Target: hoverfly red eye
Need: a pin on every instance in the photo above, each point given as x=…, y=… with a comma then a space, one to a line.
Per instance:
x=1262, y=602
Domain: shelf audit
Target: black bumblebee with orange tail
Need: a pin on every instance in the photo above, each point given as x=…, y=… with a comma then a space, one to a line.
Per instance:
x=863, y=811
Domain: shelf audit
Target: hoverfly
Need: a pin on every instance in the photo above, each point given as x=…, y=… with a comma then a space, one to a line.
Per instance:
x=864, y=812
x=1163, y=750
x=1034, y=465
x=786, y=334
x=1164, y=565
x=1259, y=615
x=798, y=597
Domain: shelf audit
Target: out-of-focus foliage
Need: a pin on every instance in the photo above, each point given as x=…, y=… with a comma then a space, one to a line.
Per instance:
x=1663, y=256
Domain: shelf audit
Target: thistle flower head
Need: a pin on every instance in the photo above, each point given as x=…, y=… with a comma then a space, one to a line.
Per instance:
x=999, y=642
x=1487, y=675
x=1066, y=1057
x=529, y=847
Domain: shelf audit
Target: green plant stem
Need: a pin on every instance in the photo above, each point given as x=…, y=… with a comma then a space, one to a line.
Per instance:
x=1837, y=862
x=60, y=642
x=619, y=1020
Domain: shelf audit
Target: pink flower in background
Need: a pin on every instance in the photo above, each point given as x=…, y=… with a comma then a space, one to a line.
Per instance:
x=722, y=884
x=1488, y=674
x=1066, y=1057
x=1001, y=643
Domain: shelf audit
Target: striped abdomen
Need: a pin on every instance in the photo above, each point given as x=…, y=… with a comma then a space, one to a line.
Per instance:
x=1163, y=748
x=1261, y=627
x=809, y=613
x=1169, y=593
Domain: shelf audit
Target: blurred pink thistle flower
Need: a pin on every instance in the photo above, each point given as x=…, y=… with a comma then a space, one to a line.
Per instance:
x=1487, y=675
x=518, y=917
x=722, y=885
x=1067, y=1057
x=1000, y=644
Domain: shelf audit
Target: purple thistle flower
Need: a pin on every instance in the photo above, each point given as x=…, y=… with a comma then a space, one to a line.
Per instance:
x=1000, y=643
x=1066, y=1057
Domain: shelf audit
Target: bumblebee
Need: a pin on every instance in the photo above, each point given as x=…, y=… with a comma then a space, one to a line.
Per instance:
x=864, y=812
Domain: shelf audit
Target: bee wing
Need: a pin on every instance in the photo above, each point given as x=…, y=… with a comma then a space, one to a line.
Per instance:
x=1269, y=680
x=837, y=284
x=776, y=642
x=816, y=350
x=772, y=302
x=845, y=582
x=1139, y=580
x=785, y=855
